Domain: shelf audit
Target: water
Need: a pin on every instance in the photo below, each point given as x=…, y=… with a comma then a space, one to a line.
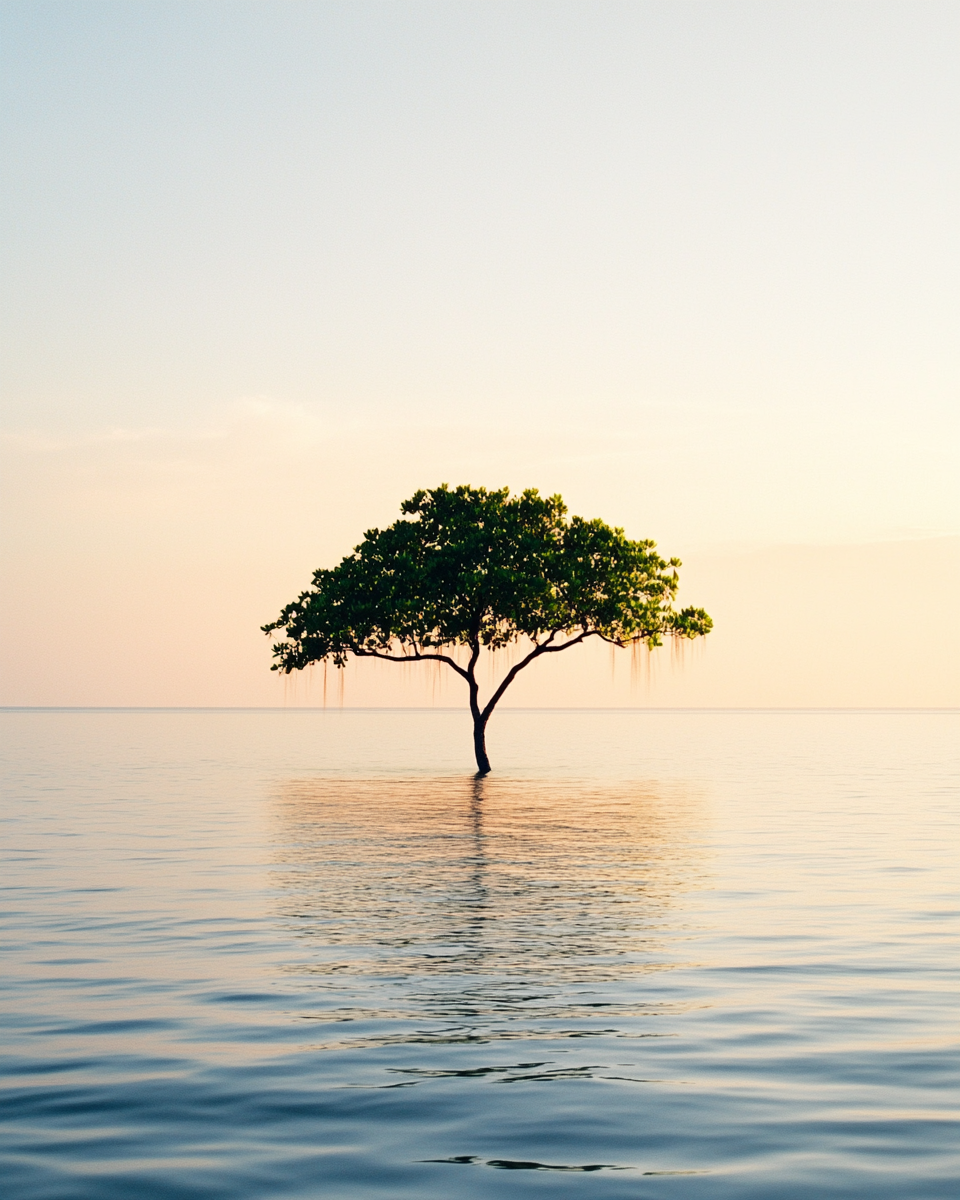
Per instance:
x=304, y=954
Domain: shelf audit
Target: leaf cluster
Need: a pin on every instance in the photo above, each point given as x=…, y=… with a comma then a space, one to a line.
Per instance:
x=477, y=568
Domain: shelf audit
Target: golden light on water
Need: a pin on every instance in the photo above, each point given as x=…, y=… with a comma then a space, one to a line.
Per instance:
x=541, y=883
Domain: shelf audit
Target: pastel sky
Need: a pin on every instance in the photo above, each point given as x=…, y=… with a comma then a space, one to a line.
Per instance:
x=270, y=267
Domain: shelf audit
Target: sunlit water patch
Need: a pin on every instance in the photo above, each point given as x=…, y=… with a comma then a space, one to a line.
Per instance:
x=306, y=954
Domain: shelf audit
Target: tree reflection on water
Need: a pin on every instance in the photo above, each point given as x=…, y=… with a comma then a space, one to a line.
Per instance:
x=474, y=899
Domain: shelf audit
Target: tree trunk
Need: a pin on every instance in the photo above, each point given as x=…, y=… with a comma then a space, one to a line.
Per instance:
x=480, y=744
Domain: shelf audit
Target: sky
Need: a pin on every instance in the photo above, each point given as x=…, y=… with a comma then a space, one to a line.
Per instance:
x=270, y=267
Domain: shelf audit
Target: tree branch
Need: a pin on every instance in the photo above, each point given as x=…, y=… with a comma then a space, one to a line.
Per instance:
x=469, y=672
x=408, y=658
x=540, y=648
x=547, y=649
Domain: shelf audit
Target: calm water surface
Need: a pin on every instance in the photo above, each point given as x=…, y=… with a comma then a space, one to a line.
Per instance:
x=305, y=954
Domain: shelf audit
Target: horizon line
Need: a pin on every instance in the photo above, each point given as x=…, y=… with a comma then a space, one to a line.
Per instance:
x=458, y=708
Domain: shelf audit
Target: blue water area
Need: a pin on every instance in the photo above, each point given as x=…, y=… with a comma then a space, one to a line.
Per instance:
x=306, y=954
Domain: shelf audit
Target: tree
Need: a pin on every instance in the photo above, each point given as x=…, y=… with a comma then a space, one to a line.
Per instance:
x=470, y=570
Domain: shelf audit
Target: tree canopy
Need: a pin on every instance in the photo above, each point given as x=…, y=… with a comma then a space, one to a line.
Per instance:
x=470, y=569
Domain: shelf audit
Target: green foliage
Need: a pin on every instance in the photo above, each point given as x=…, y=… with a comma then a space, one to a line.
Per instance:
x=472, y=568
